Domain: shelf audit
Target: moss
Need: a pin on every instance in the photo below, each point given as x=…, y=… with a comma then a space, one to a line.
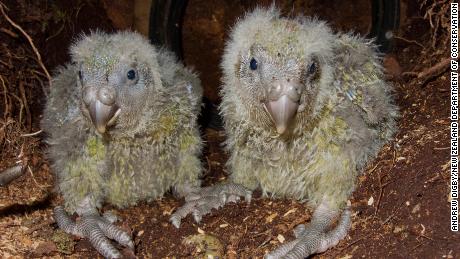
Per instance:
x=206, y=246
x=63, y=241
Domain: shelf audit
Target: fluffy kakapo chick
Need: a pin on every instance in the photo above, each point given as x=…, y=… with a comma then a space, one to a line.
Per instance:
x=122, y=127
x=304, y=110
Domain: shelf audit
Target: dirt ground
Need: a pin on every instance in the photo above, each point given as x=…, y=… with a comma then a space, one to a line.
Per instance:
x=401, y=204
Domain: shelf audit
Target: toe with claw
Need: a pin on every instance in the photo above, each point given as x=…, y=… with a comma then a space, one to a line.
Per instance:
x=200, y=202
x=97, y=229
x=314, y=237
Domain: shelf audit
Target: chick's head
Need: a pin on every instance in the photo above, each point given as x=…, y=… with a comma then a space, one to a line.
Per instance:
x=276, y=68
x=118, y=77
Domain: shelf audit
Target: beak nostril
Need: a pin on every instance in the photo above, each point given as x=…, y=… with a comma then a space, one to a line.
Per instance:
x=280, y=88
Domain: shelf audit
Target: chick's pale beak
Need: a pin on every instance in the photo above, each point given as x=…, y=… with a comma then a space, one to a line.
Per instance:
x=282, y=111
x=103, y=115
x=282, y=104
x=102, y=107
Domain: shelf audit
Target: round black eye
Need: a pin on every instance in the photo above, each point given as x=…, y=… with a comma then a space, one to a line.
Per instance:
x=253, y=64
x=312, y=68
x=131, y=74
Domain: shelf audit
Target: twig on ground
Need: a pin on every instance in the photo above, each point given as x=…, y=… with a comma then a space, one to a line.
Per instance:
x=440, y=67
x=441, y=148
x=354, y=242
x=32, y=134
x=417, y=246
x=5, y=96
x=6, y=31
x=264, y=242
x=6, y=64
x=33, y=178
x=375, y=167
x=409, y=41
x=392, y=214
x=382, y=186
x=21, y=108
x=22, y=91
x=39, y=58
x=43, y=224
x=388, y=218
x=377, y=206
x=430, y=72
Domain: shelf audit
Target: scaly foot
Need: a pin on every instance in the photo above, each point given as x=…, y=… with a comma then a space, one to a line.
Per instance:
x=200, y=201
x=97, y=229
x=314, y=237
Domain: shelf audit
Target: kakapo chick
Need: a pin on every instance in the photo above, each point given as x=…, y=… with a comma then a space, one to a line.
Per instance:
x=121, y=120
x=304, y=110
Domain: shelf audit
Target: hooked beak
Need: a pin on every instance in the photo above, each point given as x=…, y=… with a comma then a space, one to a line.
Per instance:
x=102, y=107
x=283, y=104
x=102, y=115
x=281, y=111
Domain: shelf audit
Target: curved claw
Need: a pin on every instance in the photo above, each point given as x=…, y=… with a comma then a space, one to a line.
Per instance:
x=112, y=232
x=304, y=245
x=97, y=229
x=205, y=205
x=64, y=222
x=200, y=202
x=298, y=231
x=282, y=250
x=313, y=238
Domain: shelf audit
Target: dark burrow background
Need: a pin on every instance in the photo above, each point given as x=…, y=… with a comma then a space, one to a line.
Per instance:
x=400, y=207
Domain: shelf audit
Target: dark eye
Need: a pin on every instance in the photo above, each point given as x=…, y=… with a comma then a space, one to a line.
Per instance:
x=131, y=75
x=312, y=68
x=253, y=64
x=80, y=74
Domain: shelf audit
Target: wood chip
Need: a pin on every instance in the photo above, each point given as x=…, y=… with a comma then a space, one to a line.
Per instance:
x=290, y=211
x=45, y=248
x=168, y=212
x=281, y=238
x=370, y=201
x=271, y=217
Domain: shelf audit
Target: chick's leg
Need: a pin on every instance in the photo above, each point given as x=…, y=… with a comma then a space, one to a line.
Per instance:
x=94, y=227
x=315, y=237
x=200, y=201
